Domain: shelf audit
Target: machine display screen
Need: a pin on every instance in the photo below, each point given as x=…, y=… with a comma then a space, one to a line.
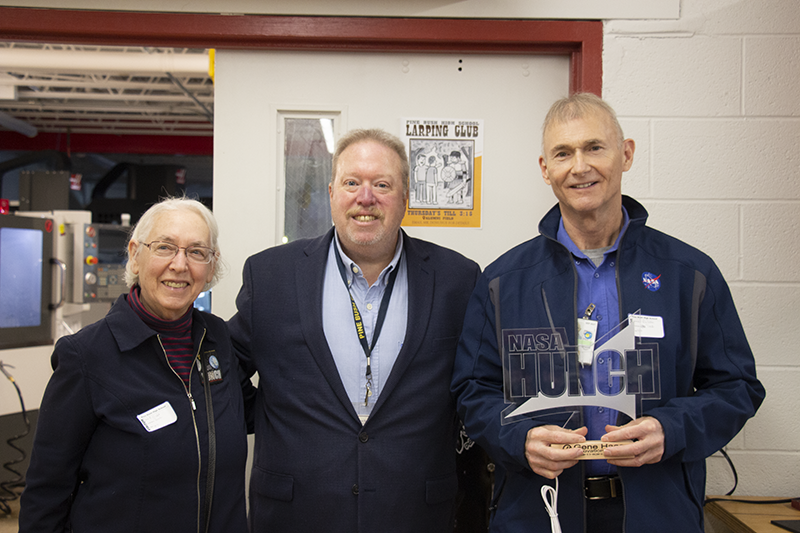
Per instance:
x=112, y=245
x=20, y=277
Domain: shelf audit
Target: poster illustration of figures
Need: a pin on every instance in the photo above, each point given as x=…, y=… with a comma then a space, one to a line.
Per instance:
x=445, y=164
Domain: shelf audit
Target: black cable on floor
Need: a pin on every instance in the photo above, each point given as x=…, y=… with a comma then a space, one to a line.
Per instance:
x=19, y=480
x=733, y=469
x=736, y=483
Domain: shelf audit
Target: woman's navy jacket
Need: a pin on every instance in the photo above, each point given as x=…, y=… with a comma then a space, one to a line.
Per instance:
x=95, y=467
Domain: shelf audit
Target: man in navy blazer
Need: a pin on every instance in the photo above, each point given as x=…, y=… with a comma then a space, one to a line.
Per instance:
x=354, y=435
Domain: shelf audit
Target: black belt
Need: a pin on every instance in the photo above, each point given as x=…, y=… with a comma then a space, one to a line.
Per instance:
x=602, y=487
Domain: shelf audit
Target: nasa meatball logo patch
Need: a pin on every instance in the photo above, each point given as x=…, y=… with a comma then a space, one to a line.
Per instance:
x=651, y=281
x=212, y=367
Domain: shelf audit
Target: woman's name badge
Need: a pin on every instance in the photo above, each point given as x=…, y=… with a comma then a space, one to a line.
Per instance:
x=587, y=331
x=158, y=417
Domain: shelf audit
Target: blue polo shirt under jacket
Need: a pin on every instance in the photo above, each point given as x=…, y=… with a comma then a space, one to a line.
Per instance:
x=598, y=285
x=340, y=330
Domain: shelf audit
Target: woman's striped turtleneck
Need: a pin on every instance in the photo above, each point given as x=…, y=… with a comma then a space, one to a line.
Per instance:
x=176, y=335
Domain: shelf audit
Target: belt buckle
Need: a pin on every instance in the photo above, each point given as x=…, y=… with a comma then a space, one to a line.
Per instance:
x=612, y=487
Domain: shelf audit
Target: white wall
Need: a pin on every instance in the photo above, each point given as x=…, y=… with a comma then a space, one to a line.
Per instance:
x=377, y=90
x=712, y=101
x=506, y=9
x=30, y=368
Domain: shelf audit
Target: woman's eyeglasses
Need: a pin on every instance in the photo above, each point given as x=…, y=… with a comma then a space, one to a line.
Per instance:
x=196, y=254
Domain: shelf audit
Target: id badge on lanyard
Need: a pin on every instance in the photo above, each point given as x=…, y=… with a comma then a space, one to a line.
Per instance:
x=587, y=335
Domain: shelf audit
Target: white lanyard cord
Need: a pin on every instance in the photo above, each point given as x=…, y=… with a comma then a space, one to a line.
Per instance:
x=550, y=497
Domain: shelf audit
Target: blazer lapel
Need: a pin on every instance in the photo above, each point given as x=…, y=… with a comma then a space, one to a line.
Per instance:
x=420, y=302
x=309, y=276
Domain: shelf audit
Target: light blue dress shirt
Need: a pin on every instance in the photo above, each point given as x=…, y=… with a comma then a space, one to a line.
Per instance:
x=339, y=326
x=598, y=285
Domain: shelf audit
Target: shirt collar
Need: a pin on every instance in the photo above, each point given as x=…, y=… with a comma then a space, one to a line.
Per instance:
x=564, y=238
x=384, y=275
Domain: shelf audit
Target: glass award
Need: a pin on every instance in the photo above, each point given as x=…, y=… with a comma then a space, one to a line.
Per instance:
x=543, y=376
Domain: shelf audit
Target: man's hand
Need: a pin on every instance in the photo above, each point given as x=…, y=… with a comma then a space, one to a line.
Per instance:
x=550, y=462
x=647, y=448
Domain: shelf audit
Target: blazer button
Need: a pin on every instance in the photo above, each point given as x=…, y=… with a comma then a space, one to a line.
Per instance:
x=355, y=489
x=363, y=437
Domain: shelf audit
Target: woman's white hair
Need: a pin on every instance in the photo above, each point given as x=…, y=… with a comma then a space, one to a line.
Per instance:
x=145, y=225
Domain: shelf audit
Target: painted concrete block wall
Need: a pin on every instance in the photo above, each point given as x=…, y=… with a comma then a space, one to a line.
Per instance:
x=711, y=99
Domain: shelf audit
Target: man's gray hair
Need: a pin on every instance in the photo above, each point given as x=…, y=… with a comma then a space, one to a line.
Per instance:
x=145, y=225
x=379, y=136
x=576, y=106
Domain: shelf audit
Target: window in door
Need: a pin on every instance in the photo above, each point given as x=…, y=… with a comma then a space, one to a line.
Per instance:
x=308, y=144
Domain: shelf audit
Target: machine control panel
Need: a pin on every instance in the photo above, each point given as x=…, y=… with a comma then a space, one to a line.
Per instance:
x=104, y=258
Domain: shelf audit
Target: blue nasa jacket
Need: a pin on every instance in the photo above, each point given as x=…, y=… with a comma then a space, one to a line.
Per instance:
x=101, y=463
x=708, y=384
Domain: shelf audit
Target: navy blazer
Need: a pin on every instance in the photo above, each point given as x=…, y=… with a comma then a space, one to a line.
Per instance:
x=316, y=468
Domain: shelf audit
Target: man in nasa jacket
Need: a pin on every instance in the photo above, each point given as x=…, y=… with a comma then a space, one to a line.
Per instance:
x=594, y=264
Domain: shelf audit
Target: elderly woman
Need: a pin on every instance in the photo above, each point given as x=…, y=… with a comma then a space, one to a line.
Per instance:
x=142, y=424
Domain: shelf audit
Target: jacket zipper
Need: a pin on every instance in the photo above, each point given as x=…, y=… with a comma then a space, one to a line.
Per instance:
x=188, y=391
x=619, y=299
x=575, y=332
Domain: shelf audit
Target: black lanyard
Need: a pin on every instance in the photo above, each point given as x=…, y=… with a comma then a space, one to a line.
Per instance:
x=359, y=322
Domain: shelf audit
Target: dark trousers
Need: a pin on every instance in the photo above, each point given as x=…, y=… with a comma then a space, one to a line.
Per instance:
x=605, y=516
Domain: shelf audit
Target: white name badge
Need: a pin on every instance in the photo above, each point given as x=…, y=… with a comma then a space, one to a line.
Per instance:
x=158, y=417
x=647, y=326
x=587, y=331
